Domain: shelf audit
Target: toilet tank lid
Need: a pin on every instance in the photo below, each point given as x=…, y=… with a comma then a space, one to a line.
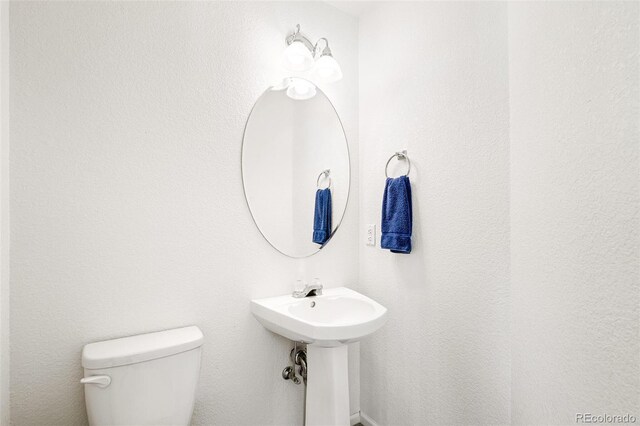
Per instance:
x=140, y=348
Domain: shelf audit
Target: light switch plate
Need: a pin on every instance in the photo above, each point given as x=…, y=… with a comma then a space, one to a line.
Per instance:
x=371, y=235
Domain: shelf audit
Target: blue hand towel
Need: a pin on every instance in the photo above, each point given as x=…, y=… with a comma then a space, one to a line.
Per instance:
x=322, y=216
x=397, y=215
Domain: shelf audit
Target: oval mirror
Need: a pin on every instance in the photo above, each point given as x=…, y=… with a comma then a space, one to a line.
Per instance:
x=293, y=149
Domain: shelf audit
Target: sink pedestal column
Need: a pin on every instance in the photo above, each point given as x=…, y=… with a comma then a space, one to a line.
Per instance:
x=327, y=401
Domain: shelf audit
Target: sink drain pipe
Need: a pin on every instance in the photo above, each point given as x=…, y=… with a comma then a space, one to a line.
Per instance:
x=298, y=359
x=298, y=365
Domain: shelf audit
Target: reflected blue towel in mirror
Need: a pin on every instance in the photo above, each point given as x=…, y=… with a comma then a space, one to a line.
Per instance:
x=322, y=216
x=397, y=215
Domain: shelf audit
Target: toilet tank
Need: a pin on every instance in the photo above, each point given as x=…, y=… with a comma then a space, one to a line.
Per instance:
x=149, y=379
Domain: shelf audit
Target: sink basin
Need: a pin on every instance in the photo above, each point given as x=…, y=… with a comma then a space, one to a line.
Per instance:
x=326, y=323
x=339, y=316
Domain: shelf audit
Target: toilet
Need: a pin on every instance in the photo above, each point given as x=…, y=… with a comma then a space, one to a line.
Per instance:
x=149, y=379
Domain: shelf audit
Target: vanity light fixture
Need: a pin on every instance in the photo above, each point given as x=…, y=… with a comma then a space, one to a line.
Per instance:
x=326, y=69
x=297, y=56
x=302, y=55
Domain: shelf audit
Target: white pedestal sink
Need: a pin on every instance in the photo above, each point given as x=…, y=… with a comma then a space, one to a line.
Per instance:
x=326, y=323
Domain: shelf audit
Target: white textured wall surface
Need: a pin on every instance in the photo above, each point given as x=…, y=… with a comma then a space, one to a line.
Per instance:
x=434, y=80
x=522, y=124
x=129, y=216
x=574, y=109
x=4, y=214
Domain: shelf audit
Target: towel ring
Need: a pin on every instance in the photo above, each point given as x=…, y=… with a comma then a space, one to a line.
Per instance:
x=399, y=155
x=326, y=174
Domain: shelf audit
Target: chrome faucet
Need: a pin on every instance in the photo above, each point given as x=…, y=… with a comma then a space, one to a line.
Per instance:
x=314, y=289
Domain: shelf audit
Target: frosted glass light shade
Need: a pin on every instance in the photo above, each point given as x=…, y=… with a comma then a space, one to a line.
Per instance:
x=296, y=57
x=300, y=89
x=327, y=70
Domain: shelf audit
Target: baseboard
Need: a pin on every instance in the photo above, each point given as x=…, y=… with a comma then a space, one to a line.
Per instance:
x=355, y=419
x=366, y=420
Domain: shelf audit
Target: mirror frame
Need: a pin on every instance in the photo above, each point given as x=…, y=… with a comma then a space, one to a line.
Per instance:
x=244, y=188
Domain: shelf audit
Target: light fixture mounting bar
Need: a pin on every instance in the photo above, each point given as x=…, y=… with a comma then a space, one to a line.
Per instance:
x=313, y=48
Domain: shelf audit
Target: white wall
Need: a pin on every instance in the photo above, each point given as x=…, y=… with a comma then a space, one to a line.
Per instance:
x=520, y=301
x=126, y=195
x=574, y=97
x=521, y=121
x=434, y=80
x=4, y=213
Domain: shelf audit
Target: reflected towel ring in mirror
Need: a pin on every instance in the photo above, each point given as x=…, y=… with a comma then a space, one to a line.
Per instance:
x=326, y=173
x=400, y=156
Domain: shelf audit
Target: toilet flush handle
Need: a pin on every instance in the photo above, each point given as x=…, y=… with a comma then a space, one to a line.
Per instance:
x=100, y=381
